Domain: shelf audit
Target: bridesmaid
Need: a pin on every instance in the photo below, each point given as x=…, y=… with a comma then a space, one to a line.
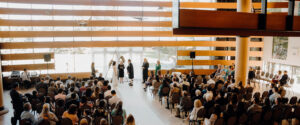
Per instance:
x=121, y=68
x=157, y=67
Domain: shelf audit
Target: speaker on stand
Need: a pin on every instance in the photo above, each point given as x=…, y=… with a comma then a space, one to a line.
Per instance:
x=192, y=56
x=47, y=58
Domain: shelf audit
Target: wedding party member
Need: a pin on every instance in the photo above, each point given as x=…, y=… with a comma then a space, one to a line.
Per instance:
x=130, y=71
x=157, y=67
x=121, y=68
x=93, y=70
x=145, y=70
x=115, y=75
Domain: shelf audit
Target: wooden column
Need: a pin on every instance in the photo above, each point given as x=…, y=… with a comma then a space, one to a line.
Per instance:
x=242, y=47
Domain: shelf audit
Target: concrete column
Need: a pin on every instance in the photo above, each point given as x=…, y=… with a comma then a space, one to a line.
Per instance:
x=242, y=47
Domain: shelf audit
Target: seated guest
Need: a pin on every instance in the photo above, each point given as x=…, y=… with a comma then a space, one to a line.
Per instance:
x=284, y=78
x=100, y=78
x=100, y=111
x=197, y=95
x=210, y=80
x=222, y=100
x=60, y=95
x=72, y=101
x=26, y=114
x=72, y=91
x=184, y=103
x=87, y=115
x=82, y=89
x=185, y=82
x=104, y=86
x=84, y=122
x=103, y=122
x=130, y=120
x=52, y=90
x=214, y=116
x=114, y=99
x=47, y=115
x=149, y=80
x=95, y=94
x=275, y=95
x=197, y=107
x=229, y=112
x=119, y=111
x=209, y=94
x=71, y=114
x=255, y=107
x=69, y=80
x=107, y=92
x=58, y=81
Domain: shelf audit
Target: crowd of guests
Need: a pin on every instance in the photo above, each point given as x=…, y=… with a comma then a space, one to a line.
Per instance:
x=70, y=102
x=218, y=98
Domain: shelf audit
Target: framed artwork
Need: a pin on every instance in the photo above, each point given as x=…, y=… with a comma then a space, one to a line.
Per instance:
x=280, y=48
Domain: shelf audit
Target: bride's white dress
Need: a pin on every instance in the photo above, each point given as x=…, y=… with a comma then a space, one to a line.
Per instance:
x=115, y=77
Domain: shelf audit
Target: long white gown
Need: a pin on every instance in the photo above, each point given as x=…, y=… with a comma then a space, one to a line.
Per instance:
x=115, y=77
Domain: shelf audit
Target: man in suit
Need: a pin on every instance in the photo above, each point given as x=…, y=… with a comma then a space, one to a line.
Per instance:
x=130, y=72
x=145, y=70
x=17, y=103
x=284, y=78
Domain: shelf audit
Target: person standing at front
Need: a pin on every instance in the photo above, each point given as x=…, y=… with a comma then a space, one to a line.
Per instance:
x=157, y=67
x=130, y=72
x=121, y=68
x=145, y=70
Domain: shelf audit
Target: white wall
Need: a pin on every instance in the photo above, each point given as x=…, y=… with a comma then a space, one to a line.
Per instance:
x=293, y=55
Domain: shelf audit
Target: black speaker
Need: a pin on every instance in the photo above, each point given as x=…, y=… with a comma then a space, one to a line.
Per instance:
x=192, y=54
x=47, y=57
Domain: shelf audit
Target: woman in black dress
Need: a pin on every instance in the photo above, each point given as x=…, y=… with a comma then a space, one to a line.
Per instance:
x=121, y=68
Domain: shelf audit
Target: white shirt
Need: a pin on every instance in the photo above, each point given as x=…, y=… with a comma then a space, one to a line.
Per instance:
x=186, y=83
x=274, y=96
x=25, y=76
x=107, y=93
x=115, y=99
x=193, y=115
x=208, y=95
x=211, y=81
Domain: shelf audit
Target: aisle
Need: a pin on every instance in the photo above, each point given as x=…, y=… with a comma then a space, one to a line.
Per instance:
x=145, y=109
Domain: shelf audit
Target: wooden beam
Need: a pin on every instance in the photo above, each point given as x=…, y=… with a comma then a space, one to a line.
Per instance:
x=215, y=62
x=8, y=68
x=24, y=56
x=187, y=71
x=56, y=12
x=216, y=53
x=27, y=45
x=89, y=23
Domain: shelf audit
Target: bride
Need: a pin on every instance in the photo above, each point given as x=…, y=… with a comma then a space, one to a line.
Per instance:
x=115, y=75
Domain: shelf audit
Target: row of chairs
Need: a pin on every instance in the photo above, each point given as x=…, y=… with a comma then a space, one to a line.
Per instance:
x=266, y=78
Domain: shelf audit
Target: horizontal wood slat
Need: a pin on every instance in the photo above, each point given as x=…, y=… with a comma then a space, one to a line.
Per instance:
x=215, y=62
x=79, y=75
x=25, y=56
x=9, y=68
x=88, y=23
x=49, y=12
x=228, y=5
x=187, y=71
x=98, y=33
x=26, y=45
x=216, y=53
x=217, y=19
x=95, y=2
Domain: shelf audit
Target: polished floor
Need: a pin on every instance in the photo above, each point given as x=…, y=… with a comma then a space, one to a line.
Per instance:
x=145, y=107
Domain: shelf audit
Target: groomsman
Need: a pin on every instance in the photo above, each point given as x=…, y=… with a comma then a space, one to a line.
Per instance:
x=130, y=72
x=145, y=70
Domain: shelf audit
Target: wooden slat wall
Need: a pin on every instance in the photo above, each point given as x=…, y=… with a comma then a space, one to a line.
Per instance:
x=145, y=3
x=215, y=62
x=49, y=12
x=228, y=5
x=96, y=2
x=27, y=45
x=24, y=56
x=9, y=68
x=216, y=53
x=89, y=23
